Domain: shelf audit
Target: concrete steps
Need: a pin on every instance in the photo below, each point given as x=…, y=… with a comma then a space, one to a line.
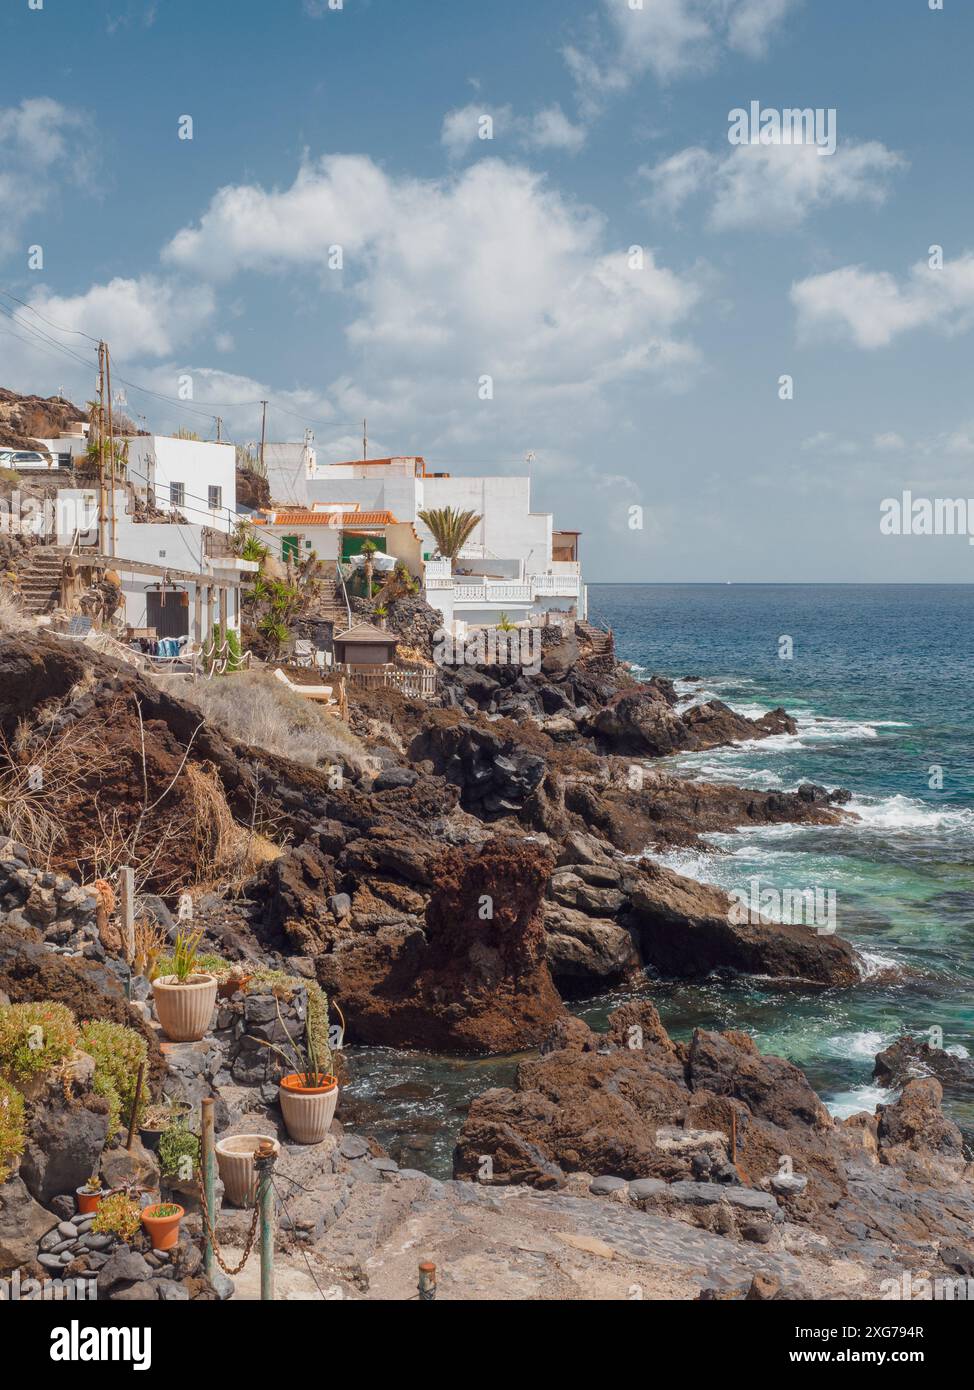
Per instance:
x=40, y=579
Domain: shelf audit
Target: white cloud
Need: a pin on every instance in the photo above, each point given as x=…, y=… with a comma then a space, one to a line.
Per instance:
x=478, y=125
x=889, y=443
x=671, y=39
x=872, y=307
x=772, y=186
x=41, y=141
x=489, y=271
x=144, y=317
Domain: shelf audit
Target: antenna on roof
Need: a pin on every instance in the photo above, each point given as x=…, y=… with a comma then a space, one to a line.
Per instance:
x=365, y=440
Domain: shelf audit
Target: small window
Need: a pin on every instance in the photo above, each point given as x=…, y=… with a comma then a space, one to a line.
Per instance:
x=216, y=498
x=177, y=494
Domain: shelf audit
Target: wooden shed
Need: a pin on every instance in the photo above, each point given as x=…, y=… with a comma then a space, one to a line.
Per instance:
x=365, y=645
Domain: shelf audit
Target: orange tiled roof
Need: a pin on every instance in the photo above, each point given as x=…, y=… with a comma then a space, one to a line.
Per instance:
x=304, y=516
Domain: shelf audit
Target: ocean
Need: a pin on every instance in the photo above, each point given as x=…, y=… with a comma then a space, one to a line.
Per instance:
x=881, y=681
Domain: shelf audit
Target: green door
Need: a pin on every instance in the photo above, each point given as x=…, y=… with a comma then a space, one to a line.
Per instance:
x=289, y=548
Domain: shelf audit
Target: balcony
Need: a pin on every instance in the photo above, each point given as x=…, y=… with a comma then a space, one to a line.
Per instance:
x=560, y=585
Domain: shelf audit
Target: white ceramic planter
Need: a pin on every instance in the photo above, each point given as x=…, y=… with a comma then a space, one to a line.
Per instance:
x=235, y=1160
x=185, y=1010
x=308, y=1114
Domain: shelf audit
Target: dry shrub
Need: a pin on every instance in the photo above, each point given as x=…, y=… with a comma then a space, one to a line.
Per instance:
x=13, y=618
x=254, y=708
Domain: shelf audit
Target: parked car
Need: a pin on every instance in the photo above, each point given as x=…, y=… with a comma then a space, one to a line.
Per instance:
x=24, y=458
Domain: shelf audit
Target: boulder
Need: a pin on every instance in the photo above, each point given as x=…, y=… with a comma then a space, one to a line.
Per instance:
x=685, y=930
x=474, y=977
x=23, y=1224
x=587, y=954
x=910, y=1057
x=64, y=1141
x=914, y=1134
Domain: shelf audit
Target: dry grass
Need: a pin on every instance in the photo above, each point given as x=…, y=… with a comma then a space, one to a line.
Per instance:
x=13, y=618
x=255, y=708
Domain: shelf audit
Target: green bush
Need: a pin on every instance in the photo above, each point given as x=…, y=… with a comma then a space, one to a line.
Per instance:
x=35, y=1037
x=118, y=1215
x=11, y=1128
x=175, y=1145
x=118, y=1052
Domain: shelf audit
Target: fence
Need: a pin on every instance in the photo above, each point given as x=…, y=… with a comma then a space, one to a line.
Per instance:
x=418, y=682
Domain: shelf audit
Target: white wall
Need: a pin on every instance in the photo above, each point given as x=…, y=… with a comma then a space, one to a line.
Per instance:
x=289, y=469
x=507, y=527
x=324, y=539
x=399, y=495
x=197, y=464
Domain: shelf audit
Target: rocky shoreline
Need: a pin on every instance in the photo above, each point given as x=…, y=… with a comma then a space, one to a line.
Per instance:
x=452, y=879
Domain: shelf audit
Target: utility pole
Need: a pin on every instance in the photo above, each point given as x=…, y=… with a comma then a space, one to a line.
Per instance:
x=102, y=518
x=365, y=440
x=219, y=429
x=111, y=447
x=263, y=437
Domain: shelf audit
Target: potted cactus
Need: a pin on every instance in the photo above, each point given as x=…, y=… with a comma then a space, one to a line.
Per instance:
x=161, y=1222
x=88, y=1198
x=185, y=998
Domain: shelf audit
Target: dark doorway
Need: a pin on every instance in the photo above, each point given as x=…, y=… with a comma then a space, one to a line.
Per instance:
x=167, y=610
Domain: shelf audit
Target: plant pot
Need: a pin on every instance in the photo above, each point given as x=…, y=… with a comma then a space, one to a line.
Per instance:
x=307, y=1113
x=163, y=1231
x=88, y=1201
x=150, y=1138
x=235, y=1160
x=185, y=1010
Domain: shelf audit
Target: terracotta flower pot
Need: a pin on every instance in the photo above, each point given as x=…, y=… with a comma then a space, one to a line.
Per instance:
x=307, y=1113
x=235, y=1160
x=184, y=1010
x=88, y=1201
x=163, y=1231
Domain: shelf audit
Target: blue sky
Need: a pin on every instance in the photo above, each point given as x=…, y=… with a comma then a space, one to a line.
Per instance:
x=652, y=385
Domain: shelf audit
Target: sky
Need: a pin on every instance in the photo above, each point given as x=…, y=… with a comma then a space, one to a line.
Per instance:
x=516, y=237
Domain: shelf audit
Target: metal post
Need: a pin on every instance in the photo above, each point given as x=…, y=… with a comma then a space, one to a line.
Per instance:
x=209, y=1182
x=133, y=1118
x=126, y=880
x=427, y=1283
x=264, y=1163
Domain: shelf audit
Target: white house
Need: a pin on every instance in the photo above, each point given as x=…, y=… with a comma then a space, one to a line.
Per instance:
x=179, y=560
x=194, y=477
x=516, y=563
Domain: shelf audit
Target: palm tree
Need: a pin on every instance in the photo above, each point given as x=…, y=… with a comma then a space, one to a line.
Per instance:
x=451, y=530
x=368, y=564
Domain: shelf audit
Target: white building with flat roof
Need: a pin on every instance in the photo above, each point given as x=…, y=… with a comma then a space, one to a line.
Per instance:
x=516, y=563
x=194, y=477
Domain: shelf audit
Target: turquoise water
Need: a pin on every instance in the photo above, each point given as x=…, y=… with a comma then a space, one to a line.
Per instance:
x=882, y=684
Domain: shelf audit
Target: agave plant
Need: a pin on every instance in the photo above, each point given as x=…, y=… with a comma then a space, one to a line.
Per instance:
x=310, y=1063
x=451, y=530
x=185, y=951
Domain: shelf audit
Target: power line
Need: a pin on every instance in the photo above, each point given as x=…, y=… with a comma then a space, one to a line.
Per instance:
x=62, y=328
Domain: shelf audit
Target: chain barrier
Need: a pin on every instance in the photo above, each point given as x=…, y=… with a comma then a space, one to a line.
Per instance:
x=214, y=1243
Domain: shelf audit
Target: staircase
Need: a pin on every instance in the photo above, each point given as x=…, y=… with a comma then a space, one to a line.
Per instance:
x=601, y=642
x=331, y=605
x=40, y=578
